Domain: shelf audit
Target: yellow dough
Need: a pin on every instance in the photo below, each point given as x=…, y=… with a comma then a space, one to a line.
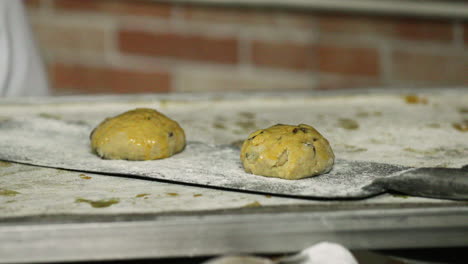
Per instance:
x=287, y=152
x=140, y=134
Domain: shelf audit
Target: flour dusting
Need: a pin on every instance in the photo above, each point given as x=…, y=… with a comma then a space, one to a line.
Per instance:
x=54, y=143
x=381, y=136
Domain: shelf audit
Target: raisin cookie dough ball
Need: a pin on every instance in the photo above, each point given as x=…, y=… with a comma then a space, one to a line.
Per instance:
x=287, y=152
x=140, y=134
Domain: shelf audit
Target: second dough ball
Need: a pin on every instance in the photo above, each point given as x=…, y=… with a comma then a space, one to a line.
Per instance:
x=140, y=134
x=287, y=152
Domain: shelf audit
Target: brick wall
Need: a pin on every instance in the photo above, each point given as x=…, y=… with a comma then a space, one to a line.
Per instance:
x=123, y=46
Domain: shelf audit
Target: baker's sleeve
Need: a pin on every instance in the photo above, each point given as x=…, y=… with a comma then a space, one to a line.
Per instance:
x=21, y=69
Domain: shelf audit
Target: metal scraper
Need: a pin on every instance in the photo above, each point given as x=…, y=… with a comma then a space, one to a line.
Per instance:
x=442, y=183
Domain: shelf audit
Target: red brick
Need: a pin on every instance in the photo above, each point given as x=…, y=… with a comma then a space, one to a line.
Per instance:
x=32, y=3
x=465, y=33
x=352, y=24
x=394, y=27
x=107, y=80
x=284, y=55
x=120, y=7
x=237, y=15
x=76, y=5
x=442, y=69
x=425, y=30
x=346, y=82
x=348, y=60
x=186, y=47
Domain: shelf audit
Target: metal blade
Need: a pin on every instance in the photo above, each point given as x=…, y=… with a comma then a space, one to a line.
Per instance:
x=444, y=183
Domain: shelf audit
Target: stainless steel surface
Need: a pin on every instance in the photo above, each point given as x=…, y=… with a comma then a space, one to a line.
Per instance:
x=220, y=233
x=442, y=183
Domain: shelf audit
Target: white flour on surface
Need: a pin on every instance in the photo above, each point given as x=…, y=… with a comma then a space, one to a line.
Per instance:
x=368, y=128
x=54, y=143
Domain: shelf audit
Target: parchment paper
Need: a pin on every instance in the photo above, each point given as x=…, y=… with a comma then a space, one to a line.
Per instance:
x=60, y=144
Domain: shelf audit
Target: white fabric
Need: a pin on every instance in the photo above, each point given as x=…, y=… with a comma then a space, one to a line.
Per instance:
x=328, y=253
x=21, y=70
x=321, y=253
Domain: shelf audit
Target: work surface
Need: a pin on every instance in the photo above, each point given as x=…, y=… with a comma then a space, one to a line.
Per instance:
x=102, y=216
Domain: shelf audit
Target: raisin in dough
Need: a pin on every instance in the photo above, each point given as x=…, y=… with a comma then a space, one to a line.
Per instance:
x=140, y=134
x=287, y=152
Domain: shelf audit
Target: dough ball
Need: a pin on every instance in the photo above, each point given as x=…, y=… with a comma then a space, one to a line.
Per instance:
x=287, y=152
x=140, y=134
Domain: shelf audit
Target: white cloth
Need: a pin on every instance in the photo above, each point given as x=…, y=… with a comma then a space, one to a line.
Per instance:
x=327, y=253
x=321, y=253
x=21, y=70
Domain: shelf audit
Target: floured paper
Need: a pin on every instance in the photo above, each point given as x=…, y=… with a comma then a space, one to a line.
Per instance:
x=59, y=144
